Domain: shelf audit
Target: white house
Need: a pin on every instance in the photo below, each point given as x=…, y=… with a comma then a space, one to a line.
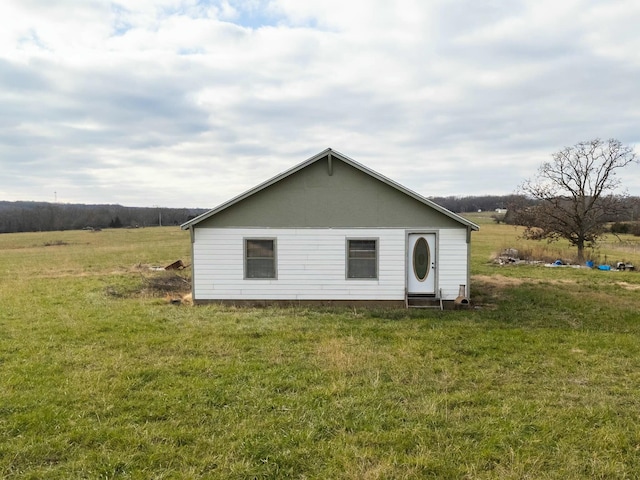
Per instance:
x=329, y=231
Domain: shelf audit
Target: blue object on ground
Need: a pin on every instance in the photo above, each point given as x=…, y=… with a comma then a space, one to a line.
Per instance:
x=558, y=262
x=604, y=267
x=589, y=263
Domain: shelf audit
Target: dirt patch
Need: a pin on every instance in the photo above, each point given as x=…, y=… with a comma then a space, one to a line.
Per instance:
x=498, y=280
x=170, y=285
x=175, y=288
x=55, y=243
x=628, y=286
x=488, y=290
x=166, y=283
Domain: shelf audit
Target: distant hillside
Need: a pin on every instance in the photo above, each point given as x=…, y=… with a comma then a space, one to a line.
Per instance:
x=43, y=216
x=473, y=204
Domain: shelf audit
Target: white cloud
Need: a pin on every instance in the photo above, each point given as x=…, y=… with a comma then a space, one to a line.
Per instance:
x=114, y=102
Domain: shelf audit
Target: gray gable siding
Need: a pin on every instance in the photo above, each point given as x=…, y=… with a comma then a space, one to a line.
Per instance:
x=311, y=197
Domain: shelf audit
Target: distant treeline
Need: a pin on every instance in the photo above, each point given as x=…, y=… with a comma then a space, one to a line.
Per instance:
x=484, y=203
x=492, y=203
x=42, y=216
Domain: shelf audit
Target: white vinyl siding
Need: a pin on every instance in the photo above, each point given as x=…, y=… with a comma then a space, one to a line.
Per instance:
x=452, y=261
x=311, y=264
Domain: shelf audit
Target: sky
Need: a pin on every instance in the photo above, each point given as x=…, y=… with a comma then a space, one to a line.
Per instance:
x=187, y=103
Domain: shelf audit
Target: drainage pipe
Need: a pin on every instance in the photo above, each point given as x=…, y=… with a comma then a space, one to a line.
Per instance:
x=462, y=299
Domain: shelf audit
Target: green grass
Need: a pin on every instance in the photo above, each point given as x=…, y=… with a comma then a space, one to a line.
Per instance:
x=492, y=239
x=102, y=378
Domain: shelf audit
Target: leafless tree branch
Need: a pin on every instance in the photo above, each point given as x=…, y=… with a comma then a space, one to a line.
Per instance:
x=576, y=193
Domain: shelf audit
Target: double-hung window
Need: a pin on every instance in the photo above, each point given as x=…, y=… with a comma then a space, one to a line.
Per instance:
x=259, y=258
x=362, y=258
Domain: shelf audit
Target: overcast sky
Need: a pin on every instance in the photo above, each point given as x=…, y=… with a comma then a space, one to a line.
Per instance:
x=186, y=103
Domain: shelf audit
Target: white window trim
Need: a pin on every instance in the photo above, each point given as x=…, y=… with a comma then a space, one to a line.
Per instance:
x=245, y=258
x=346, y=259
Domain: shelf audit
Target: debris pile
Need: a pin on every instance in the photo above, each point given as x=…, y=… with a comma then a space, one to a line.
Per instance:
x=177, y=265
x=622, y=266
x=511, y=256
x=508, y=256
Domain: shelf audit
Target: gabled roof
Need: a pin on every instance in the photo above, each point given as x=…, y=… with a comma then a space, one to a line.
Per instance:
x=333, y=154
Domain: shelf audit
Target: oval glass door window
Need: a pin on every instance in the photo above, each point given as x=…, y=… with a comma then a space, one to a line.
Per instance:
x=421, y=260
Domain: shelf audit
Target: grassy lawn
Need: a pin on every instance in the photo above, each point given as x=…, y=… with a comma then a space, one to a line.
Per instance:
x=101, y=377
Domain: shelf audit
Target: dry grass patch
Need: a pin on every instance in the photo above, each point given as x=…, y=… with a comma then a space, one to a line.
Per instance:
x=333, y=354
x=501, y=281
x=489, y=290
x=342, y=355
x=498, y=281
x=628, y=286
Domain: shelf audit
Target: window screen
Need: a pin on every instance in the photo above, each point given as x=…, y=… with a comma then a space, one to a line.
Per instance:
x=362, y=259
x=260, y=258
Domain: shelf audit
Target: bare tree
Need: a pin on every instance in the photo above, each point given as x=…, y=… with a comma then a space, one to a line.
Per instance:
x=576, y=193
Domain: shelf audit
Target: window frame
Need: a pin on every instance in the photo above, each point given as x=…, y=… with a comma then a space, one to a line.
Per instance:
x=245, y=242
x=347, y=272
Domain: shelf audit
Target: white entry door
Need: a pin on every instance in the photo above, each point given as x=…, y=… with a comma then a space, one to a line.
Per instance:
x=421, y=263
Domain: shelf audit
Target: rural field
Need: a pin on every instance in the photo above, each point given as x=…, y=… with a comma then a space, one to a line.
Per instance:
x=102, y=377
